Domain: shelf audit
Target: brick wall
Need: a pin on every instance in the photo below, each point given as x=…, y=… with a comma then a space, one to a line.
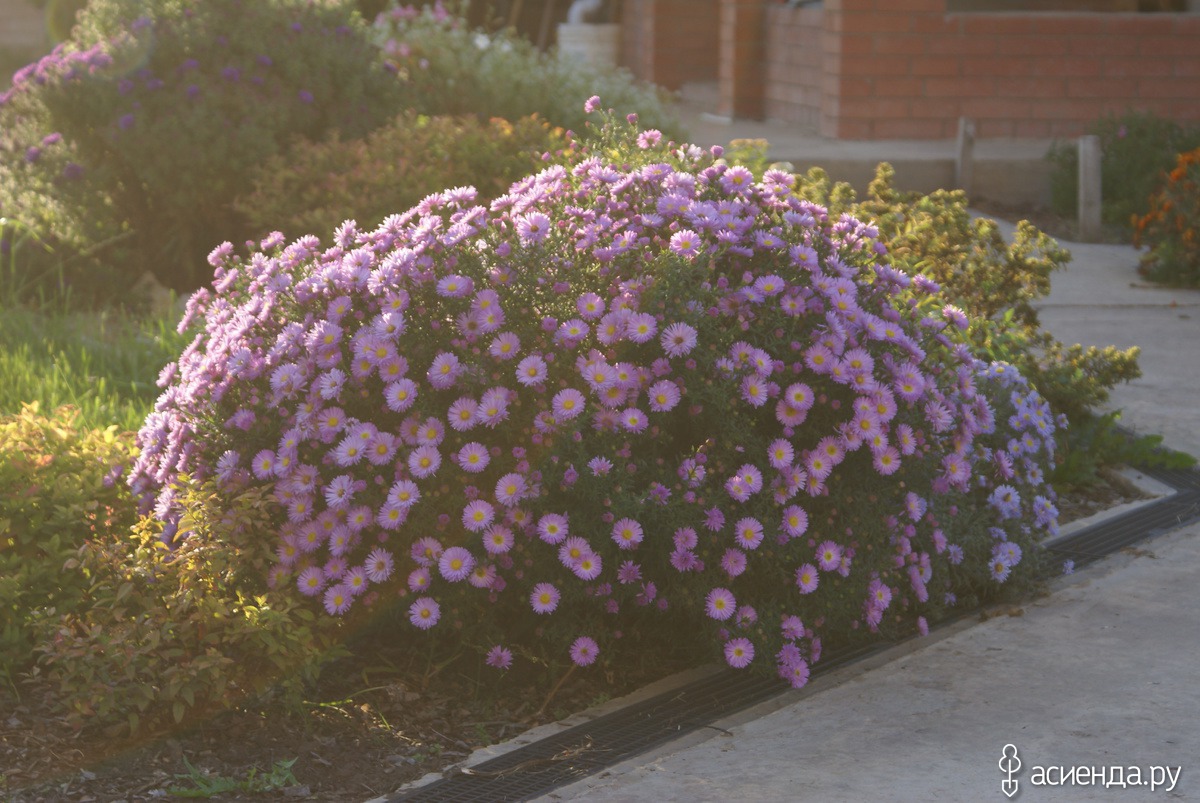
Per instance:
x=794, y=68
x=670, y=42
x=908, y=69
x=22, y=27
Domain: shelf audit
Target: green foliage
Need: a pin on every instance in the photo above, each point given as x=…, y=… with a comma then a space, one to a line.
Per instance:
x=446, y=68
x=128, y=143
x=1137, y=148
x=203, y=785
x=995, y=282
x=1097, y=441
x=1171, y=227
x=319, y=185
x=161, y=635
x=58, y=490
x=102, y=364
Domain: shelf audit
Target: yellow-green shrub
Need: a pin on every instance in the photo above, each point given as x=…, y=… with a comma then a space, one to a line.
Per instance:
x=59, y=489
x=163, y=635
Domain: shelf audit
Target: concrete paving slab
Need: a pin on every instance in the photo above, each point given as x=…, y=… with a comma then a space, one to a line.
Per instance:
x=1100, y=300
x=1010, y=171
x=1099, y=673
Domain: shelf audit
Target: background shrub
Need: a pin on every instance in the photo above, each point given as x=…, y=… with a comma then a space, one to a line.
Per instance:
x=1171, y=227
x=129, y=142
x=319, y=185
x=597, y=405
x=444, y=67
x=1137, y=148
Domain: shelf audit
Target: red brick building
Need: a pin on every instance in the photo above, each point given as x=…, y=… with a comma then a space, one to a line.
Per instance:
x=908, y=69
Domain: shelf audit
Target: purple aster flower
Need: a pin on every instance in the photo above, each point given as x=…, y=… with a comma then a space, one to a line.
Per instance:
x=473, y=458
x=733, y=562
x=686, y=243
x=379, y=565
x=424, y=613
x=807, y=579
x=544, y=598
x=338, y=600
x=455, y=564
x=739, y=652
x=678, y=339
x=627, y=534
x=311, y=581
x=720, y=604
x=584, y=651
x=499, y=657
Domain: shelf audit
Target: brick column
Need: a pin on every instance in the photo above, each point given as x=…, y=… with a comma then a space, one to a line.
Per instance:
x=742, y=45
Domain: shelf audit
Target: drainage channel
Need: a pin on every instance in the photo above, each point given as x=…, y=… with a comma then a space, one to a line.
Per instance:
x=590, y=747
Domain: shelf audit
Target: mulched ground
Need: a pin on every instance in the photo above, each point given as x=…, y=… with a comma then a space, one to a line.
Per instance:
x=365, y=741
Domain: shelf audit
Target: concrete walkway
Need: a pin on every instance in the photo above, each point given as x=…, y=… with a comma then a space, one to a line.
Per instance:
x=1100, y=673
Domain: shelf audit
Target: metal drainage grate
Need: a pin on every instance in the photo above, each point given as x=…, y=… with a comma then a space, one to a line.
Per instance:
x=586, y=749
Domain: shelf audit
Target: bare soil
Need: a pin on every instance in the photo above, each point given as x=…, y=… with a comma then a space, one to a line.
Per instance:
x=368, y=731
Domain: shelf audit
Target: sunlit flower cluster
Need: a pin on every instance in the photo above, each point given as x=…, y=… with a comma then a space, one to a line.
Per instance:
x=623, y=388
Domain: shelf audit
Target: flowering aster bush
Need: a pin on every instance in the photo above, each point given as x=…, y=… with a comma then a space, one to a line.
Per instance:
x=131, y=139
x=634, y=388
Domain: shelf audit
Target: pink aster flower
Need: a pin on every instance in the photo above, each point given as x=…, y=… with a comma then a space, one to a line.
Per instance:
x=720, y=604
x=311, y=581
x=678, y=339
x=544, y=598
x=664, y=396
x=739, y=652
x=477, y=515
x=590, y=306
x=532, y=228
x=424, y=613
x=634, y=420
x=829, y=556
x=531, y=371
x=338, y=600
x=627, y=533
x=584, y=651
x=795, y=673
x=444, y=371
x=567, y=404
x=807, y=579
x=748, y=533
x=400, y=395
x=424, y=461
x=462, y=414
x=379, y=565
x=419, y=579
x=780, y=453
x=473, y=458
x=589, y=566
x=499, y=657
x=498, y=539
x=510, y=489
x=733, y=562
x=456, y=563
x=686, y=243
x=641, y=327
x=505, y=346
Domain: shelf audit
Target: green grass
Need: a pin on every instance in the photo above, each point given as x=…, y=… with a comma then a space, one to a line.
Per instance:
x=103, y=363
